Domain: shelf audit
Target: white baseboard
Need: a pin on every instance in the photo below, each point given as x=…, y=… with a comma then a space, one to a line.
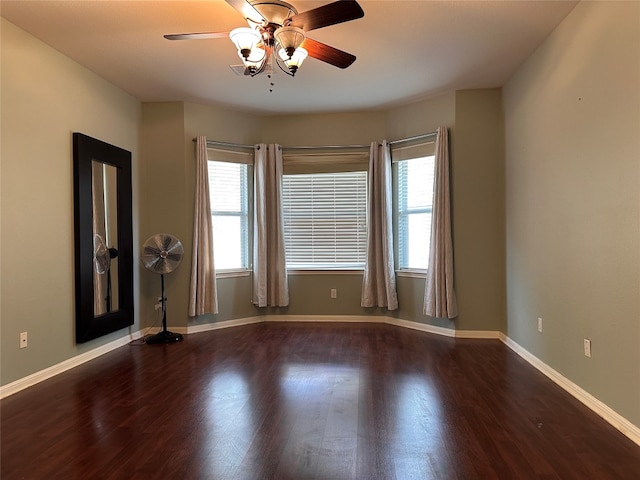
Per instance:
x=612, y=417
x=445, y=332
x=423, y=327
x=362, y=319
x=206, y=327
x=616, y=420
x=324, y=318
x=30, y=380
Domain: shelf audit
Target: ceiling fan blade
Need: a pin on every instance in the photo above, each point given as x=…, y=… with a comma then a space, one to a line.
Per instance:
x=246, y=10
x=328, y=54
x=196, y=36
x=330, y=14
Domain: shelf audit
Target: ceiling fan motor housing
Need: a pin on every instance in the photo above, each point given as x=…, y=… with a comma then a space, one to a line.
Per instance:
x=274, y=11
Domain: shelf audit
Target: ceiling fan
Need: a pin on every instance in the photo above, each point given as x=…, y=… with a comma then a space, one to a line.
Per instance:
x=277, y=35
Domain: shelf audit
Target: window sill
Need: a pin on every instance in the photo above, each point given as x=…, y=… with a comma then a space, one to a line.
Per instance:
x=416, y=273
x=412, y=273
x=325, y=271
x=233, y=273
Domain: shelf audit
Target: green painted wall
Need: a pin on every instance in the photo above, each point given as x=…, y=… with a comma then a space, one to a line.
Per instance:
x=45, y=98
x=480, y=163
x=349, y=128
x=477, y=173
x=165, y=194
x=168, y=186
x=573, y=202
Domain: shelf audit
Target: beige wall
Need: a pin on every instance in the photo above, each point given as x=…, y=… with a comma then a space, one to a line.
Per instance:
x=45, y=98
x=573, y=202
x=477, y=172
x=479, y=167
x=421, y=117
x=168, y=186
x=356, y=128
x=164, y=187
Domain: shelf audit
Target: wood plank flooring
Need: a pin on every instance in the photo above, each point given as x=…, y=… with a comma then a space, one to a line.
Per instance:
x=297, y=401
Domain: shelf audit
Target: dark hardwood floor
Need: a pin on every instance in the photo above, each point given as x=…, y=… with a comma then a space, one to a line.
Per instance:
x=308, y=401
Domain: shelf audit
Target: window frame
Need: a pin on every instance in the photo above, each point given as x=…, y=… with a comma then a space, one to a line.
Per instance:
x=398, y=155
x=327, y=162
x=245, y=214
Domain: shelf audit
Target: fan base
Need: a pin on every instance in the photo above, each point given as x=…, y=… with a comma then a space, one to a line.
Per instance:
x=163, y=337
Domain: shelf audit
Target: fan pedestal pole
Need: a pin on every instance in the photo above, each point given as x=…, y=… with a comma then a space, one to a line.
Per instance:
x=165, y=336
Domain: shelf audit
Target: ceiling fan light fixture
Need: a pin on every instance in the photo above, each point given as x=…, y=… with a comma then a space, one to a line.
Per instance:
x=255, y=60
x=245, y=39
x=295, y=61
x=255, y=57
x=276, y=33
x=289, y=38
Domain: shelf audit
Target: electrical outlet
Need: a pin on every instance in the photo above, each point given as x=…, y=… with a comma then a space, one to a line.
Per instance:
x=158, y=306
x=540, y=324
x=334, y=293
x=587, y=347
x=23, y=340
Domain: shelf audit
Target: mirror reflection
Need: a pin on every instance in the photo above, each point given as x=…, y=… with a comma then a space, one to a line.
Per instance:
x=105, y=237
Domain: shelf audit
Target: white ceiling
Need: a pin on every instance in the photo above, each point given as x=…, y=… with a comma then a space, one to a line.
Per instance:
x=406, y=50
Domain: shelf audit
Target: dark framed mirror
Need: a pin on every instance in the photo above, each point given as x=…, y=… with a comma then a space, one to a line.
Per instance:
x=103, y=237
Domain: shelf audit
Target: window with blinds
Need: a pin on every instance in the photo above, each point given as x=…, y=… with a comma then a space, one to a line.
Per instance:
x=229, y=194
x=414, y=200
x=325, y=222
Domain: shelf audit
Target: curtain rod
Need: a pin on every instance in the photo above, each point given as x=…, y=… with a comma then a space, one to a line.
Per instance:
x=215, y=143
x=327, y=147
x=424, y=136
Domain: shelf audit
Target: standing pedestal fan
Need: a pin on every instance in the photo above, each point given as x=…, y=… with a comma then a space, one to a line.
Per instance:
x=102, y=256
x=162, y=253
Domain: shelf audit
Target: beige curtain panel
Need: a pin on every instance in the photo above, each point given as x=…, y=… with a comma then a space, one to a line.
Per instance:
x=270, y=285
x=203, y=294
x=379, y=281
x=439, y=296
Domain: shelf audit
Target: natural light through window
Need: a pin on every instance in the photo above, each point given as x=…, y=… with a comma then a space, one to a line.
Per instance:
x=228, y=189
x=414, y=200
x=325, y=223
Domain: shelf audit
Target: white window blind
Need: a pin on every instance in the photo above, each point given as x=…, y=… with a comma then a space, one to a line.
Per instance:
x=325, y=219
x=229, y=195
x=414, y=179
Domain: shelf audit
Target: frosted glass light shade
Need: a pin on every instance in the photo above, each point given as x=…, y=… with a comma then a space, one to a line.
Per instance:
x=293, y=62
x=289, y=38
x=255, y=57
x=244, y=39
x=296, y=59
